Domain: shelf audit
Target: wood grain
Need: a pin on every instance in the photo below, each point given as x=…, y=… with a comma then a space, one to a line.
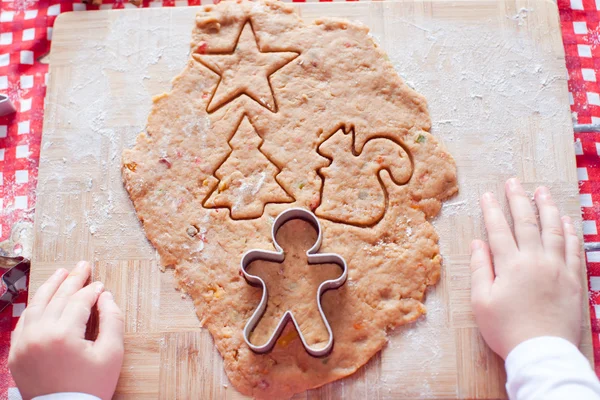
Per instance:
x=494, y=76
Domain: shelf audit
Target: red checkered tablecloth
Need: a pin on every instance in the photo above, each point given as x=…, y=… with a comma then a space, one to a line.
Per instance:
x=25, y=34
x=580, y=20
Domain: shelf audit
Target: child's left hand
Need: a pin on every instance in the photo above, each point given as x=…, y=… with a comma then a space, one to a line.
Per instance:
x=49, y=352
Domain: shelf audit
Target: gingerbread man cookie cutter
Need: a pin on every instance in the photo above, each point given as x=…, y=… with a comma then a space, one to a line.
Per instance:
x=278, y=256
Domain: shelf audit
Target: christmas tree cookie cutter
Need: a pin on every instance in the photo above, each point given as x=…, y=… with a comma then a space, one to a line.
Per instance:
x=278, y=256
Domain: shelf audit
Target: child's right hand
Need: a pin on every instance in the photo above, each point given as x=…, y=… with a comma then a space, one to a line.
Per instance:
x=530, y=285
x=49, y=352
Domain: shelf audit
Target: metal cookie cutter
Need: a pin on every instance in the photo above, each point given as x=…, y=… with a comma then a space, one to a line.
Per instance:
x=12, y=269
x=6, y=106
x=279, y=256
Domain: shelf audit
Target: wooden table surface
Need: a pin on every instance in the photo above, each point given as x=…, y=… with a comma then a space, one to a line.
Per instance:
x=494, y=76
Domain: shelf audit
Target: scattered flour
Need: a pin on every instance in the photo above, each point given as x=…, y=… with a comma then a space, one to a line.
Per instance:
x=521, y=16
x=101, y=102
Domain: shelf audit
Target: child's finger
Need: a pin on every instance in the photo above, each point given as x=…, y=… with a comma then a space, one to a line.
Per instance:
x=44, y=294
x=572, y=249
x=482, y=271
x=552, y=226
x=502, y=242
x=70, y=286
x=111, y=326
x=79, y=307
x=527, y=231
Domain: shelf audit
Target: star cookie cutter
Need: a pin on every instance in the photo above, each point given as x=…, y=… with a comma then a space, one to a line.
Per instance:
x=279, y=256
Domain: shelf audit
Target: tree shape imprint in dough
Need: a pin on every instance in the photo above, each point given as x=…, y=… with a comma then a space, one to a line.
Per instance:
x=354, y=184
x=245, y=70
x=292, y=285
x=247, y=178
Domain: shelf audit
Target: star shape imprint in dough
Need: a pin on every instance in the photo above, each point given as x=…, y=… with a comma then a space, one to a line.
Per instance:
x=245, y=70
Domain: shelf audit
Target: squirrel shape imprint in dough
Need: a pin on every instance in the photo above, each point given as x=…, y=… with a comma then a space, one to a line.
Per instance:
x=344, y=199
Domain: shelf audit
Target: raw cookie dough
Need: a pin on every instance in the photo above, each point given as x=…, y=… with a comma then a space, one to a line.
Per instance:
x=246, y=132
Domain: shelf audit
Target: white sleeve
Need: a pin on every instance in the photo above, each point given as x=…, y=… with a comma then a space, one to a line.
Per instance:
x=66, y=396
x=549, y=368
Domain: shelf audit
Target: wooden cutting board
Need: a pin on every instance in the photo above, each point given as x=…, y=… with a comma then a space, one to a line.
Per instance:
x=494, y=75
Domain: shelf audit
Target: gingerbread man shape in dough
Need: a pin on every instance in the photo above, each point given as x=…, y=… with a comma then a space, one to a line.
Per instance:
x=293, y=275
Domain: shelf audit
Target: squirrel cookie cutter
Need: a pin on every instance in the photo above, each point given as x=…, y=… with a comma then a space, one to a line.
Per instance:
x=278, y=256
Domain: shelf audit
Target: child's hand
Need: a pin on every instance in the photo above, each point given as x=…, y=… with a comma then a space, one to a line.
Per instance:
x=533, y=288
x=49, y=353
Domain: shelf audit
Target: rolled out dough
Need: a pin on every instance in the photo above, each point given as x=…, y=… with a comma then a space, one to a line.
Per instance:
x=272, y=113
